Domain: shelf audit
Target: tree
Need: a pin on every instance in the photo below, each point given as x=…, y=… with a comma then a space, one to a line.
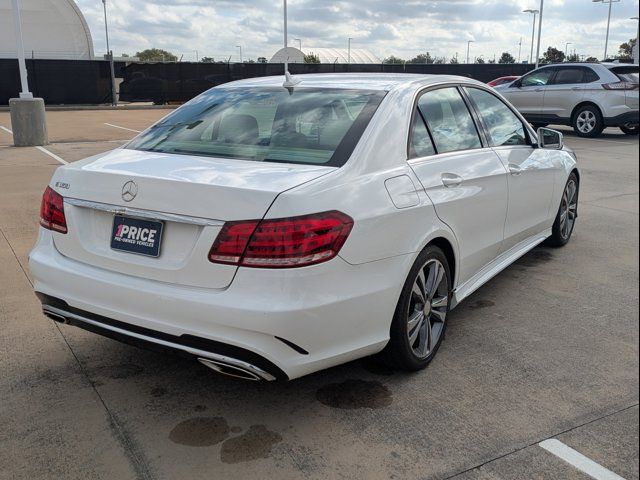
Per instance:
x=492, y=60
x=626, y=50
x=394, y=60
x=591, y=60
x=156, y=55
x=262, y=59
x=480, y=60
x=506, y=57
x=422, y=58
x=207, y=60
x=439, y=60
x=574, y=57
x=311, y=58
x=454, y=61
x=553, y=55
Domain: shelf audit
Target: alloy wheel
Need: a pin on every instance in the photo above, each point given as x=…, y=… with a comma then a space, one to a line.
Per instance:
x=428, y=308
x=586, y=121
x=568, y=209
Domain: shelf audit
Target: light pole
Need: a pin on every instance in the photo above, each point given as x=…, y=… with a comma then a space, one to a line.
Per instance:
x=636, y=49
x=519, y=49
x=239, y=47
x=114, y=97
x=533, y=31
x=606, y=42
x=469, y=42
x=22, y=65
x=539, y=33
x=566, y=49
x=299, y=43
x=349, y=50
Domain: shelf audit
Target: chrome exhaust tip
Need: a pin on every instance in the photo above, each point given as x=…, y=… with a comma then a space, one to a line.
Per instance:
x=55, y=316
x=230, y=370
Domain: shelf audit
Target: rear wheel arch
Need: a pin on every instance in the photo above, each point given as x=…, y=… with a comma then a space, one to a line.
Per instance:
x=584, y=104
x=447, y=248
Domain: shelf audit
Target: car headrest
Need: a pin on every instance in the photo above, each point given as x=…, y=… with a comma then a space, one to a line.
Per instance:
x=237, y=128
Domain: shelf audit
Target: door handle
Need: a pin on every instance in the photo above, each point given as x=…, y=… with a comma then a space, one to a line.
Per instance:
x=515, y=169
x=451, y=180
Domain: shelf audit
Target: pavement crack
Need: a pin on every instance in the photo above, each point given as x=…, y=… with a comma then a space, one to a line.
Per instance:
x=536, y=442
x=132, y=451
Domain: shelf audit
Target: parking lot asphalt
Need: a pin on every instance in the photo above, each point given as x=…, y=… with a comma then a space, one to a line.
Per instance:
x=546, y=350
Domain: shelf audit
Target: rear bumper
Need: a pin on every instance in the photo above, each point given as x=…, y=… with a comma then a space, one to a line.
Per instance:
x=287, y=323
x=631, y=117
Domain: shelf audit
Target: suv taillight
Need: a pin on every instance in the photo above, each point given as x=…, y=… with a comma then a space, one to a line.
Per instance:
x=282, y=242
x=52, y=211
x=620, y=86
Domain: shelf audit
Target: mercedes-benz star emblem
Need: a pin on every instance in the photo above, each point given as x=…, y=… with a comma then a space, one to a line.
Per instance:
x=129, y=191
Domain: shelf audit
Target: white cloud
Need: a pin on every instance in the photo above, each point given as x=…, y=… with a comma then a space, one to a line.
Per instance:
x=386, y=27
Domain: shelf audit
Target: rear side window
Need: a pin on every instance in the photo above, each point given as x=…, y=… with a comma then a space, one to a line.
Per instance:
x=538, y=78
x=569, y=75
x=307, y=126
x=420, y=144
x=504, y=127
x=449, y=120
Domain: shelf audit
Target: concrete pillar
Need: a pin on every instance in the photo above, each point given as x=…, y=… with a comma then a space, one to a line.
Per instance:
x=28, y=122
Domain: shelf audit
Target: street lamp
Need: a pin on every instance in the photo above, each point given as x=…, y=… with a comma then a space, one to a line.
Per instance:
x=114, y=97
x=349, y=50
x=469, y=42
x=533, y=30
x=299, y=43
x=606, y=42
x=240, y=48
x=566, y=49
x=539, y=33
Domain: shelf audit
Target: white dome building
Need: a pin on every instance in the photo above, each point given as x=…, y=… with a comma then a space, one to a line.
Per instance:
x=327, y=55
x=50, y=29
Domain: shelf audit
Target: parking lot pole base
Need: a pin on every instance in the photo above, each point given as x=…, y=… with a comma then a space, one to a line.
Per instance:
x=28, y=122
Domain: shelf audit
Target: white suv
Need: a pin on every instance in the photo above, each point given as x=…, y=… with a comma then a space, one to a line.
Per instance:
x=586, y=96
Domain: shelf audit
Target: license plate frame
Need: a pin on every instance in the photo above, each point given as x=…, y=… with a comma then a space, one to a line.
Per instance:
x=122, y=240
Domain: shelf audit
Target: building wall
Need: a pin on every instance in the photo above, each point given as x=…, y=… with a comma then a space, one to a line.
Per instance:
x=54, y=29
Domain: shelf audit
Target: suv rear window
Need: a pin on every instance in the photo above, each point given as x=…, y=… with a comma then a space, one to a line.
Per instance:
x=627, y=73
x=305, y=125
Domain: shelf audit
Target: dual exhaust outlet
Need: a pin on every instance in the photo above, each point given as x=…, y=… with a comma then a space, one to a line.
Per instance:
x=221, y=364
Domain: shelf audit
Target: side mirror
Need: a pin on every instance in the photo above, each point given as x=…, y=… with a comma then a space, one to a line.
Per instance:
x=550, y=139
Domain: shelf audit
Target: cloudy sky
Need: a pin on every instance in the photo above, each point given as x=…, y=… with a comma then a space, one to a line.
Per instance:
x=404, y=28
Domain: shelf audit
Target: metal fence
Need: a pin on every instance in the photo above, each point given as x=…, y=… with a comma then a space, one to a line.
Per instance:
x=74, y=82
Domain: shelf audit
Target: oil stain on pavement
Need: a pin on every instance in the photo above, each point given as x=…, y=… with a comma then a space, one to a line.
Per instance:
x=200, y=431
x=478, y=304
x=534, y=258
x=354, y=394
x=255, y=443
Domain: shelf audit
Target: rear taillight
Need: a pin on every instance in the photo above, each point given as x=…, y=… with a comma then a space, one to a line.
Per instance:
x=620, y=86
x=282, y=242
x=52, y=211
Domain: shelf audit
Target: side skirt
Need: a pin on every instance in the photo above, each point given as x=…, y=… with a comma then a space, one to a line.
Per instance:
x=501, y=262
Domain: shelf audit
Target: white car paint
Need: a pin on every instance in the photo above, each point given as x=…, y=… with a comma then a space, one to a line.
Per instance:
x=336, y=311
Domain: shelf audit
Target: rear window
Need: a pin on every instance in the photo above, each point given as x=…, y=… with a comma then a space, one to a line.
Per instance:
x=626, y=73
x=304, y=125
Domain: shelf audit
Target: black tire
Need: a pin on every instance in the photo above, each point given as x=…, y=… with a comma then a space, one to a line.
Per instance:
x=398, y=352
x=536, y=126
x=630, y=130
x=587, y=121
x=561, y=236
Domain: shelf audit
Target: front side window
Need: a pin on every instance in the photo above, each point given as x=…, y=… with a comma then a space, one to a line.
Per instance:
x=449, y=120
x=538, y=78
x=307, y=125
x=504, y=126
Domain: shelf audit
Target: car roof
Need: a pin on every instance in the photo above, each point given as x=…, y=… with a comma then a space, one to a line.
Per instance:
x=360, y=81
x=608, y=65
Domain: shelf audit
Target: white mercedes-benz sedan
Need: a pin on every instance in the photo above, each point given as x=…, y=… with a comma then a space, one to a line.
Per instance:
x=271, y=230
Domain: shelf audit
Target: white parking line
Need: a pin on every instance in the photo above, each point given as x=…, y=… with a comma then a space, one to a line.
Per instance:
x=53, y=155
x=6, y=130
x=123, y=128
x=582, y=463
